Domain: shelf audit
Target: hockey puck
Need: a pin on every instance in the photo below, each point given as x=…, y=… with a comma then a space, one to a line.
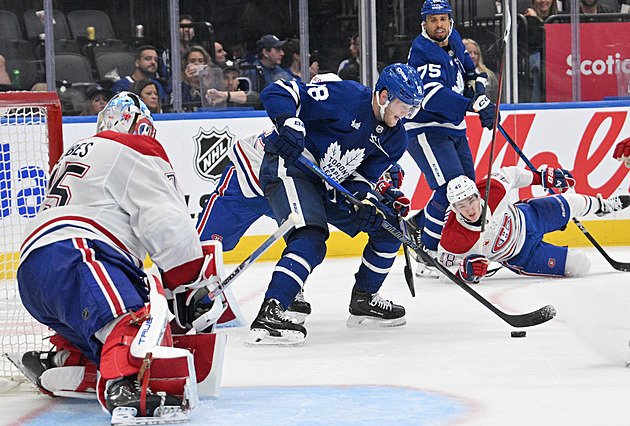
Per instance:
x=518, y=334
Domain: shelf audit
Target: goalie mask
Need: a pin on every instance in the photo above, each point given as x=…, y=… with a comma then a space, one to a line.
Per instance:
x=126, y=113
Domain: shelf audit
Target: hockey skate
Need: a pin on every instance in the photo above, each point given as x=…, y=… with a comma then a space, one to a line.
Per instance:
x=125, y=400
x=32, y=364
x=613, y=204
x=423, y=269
x=371, y=310
x=272, y=327
x=298, y=310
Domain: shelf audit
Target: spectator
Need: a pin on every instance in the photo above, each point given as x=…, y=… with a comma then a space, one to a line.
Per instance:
x=270, y=53
x=97, y=99
x=149, y=93
x=39, y=87
x=473, y=49
x=194, y=59
x=241, y=54
x=220, y=55
x=186, y=33
x=536, y=15
x=292, y=63
x=146, y=67
x=594, y=6
x=232, y=96
x=350, y=69
x=4, y=75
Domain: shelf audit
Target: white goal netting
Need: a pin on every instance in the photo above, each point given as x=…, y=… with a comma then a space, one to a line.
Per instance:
x=24, y=170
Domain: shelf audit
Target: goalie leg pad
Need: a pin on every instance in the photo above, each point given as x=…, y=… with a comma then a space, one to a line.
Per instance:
x=208, y=351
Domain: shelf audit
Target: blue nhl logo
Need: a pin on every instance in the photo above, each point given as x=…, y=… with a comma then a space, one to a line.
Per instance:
x=211, y=148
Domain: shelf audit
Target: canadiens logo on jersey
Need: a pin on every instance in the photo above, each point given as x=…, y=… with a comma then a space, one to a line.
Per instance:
x=339, y=166
x=211, y=149
x=504, y=234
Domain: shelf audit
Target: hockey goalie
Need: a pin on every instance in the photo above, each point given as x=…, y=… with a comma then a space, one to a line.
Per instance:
x=112, y=199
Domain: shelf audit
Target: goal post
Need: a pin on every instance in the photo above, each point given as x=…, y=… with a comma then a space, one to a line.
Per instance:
x=31, y=142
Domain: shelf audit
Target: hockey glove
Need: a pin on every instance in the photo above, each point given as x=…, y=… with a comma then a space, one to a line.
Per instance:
x=396, y=175
x=485, y=108
x=290, y=142
x=473, y=267
x=475, y=84
x=559, y=179
x=367, y=217
x=394, y=197
x=622, y=152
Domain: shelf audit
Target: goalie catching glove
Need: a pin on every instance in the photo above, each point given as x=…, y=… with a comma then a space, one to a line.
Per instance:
x=290, y=142
x=559, y=179
x=473, y=267
x=394, y=197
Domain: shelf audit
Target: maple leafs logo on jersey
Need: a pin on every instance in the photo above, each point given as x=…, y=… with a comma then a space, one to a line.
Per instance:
x=338, y=166
x=459, y=86
x=211, y=149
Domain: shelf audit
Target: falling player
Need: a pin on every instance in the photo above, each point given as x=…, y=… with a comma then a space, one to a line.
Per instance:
x=514, y=231
x=437, y=135
x=111, y=200
x=354, y=134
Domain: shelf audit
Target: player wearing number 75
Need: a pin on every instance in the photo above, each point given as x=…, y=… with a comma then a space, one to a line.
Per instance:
x=112, y=199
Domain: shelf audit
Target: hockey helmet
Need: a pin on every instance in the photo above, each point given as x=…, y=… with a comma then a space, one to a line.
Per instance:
x=126, y=113
x=401, y=82
x=435, y=7
x=460, y=188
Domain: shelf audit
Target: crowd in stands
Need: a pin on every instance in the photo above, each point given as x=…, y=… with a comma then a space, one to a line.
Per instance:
x=214, y=76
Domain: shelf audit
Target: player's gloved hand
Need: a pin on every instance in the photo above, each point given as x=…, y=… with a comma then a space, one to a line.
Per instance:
x=475, y=84
x=290, y=142
x=367, y=216
x=485, y=108
x=622, y=152
x=473, y=267
x=394, y=196
x=559, y=179
x=396, y=175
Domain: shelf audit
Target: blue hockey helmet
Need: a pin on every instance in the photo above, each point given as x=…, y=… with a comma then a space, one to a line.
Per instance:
x=435, y=7
x=402, y=82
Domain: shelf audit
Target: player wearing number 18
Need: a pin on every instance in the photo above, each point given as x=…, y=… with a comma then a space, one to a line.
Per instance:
x=111, y=200
x=354, y=134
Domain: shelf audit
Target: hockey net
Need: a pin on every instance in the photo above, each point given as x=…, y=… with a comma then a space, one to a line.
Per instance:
x=31, y=142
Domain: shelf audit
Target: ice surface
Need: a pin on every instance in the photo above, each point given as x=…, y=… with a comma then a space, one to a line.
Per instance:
x=453, y=362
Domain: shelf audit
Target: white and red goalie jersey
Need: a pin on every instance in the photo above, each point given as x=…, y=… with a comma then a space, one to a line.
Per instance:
x=505, y=229
x=128, y=197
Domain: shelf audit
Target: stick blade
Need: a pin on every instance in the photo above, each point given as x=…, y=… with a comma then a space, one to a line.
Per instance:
x=539, y=316
x=409, y=279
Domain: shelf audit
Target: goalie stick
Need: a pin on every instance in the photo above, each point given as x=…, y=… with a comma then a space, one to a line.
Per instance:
x=536, y=317
x=288, y=224
x=620, y=266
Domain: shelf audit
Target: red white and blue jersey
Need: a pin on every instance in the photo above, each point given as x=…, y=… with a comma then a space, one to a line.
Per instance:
x=505, y=230
x=444, y=105
x=120, y=189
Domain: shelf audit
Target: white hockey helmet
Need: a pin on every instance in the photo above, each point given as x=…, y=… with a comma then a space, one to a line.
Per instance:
x=322, y=78
x=126, y=113
x=460, y=188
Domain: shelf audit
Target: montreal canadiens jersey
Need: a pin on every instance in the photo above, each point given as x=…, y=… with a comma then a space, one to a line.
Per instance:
x=444, y=105
x=343, y=137
x=119, y=189
x=505, y=230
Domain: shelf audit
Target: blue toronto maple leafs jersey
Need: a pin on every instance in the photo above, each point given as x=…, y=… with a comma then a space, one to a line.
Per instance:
x=444, y=105
x=342, y=134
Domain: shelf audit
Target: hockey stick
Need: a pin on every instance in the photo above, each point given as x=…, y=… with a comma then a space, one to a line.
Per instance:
x=495, y=122
x=539, y=316
x=407, y=270
x=288, y=224
x=620, y=266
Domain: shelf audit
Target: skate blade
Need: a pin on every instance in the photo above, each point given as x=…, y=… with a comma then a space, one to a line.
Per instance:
x=295, y=317
x=356, y=321
x=425, y=271
x=165, y=415
x=261, y=337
